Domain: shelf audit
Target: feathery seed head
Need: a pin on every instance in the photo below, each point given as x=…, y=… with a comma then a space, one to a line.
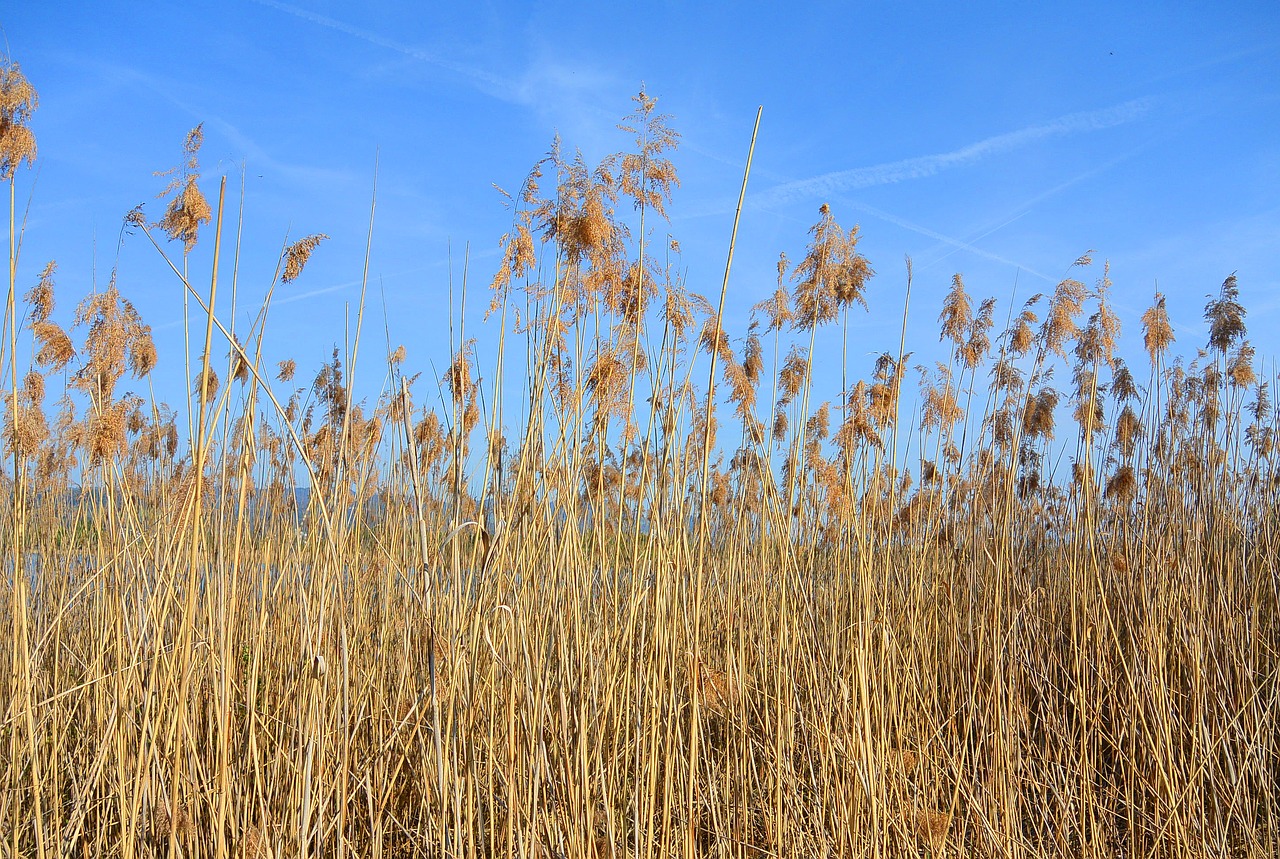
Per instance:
x=955, y=316
x=1240, y=366
x=53, y=347
x=297, y=254
x=1225, y=315
x=931, y=828
x=832, y=274
x=164, y=824
x=1157, y=332
x=18, y=100
x=1121, y=487
x=41, y=295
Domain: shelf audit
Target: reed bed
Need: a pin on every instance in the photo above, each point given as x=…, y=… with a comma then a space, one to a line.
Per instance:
x=660, y=596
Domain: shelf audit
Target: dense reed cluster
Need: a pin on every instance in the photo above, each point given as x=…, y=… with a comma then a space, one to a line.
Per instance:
x=638, y=587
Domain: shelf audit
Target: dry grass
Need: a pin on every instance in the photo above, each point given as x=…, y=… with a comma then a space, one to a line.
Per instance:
x=590, y=633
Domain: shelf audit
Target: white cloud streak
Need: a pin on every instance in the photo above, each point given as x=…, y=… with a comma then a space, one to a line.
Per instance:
x=568, y=95
x=948, y=240
x=923, y=166
x=934, y=257
x=491, y=84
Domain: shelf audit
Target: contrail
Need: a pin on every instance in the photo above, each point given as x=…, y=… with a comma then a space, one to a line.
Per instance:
x=1022, y=209
x=290, y=299
x=287, y=299
x=490, y=83
x=948, y=240
x=928, y=165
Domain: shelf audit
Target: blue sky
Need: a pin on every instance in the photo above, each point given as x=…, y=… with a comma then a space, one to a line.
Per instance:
x=999, y=142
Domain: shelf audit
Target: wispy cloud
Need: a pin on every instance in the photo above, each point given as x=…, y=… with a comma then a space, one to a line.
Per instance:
x=286, y=298
x=303, y=296
x=930, y=165
x=246, y=149
x=494, y=85
x=251, y=153
x=566, y=94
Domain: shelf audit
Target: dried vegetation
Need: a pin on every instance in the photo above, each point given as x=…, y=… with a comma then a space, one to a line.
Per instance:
x=637, y=619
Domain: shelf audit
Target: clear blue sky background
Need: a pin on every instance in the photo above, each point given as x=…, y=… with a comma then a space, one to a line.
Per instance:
x=1000, y=142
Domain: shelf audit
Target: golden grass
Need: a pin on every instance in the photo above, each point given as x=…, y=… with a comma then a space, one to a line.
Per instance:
x=631, y=624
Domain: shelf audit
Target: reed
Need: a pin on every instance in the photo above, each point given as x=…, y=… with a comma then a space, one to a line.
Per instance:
x=658, y=611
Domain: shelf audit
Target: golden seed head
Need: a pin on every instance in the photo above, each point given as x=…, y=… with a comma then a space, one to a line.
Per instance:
x=931, y=827
x=142, y=352
x=41, y=295
x=106, y=438
x=25, y=429
x=253, y=845
x=1157, y=330
x=1122, y=485
x=297, y=254
x=211, y=384
x=18, y=100
x=33, y=388
x=53, y=346
x=239, y=368
x=186, y=212
x=717, y=694
x=164, y=825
